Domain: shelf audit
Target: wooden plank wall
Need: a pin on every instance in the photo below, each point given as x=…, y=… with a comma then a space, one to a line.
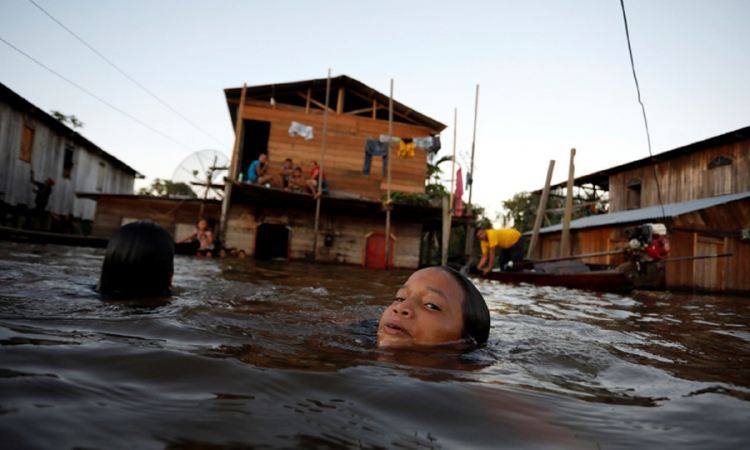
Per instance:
x=717, y=275
x=686, y=177
x=111, y=211
x=345, y=148
x=47, y=155
x=349, y=234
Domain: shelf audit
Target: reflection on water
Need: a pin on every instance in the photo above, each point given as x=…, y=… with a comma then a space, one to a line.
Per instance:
x=274, y=355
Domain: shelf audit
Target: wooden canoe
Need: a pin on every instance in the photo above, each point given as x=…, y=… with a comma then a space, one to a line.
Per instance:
x=578, y=275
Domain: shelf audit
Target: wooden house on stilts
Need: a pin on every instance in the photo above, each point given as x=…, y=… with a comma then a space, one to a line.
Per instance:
x=276, y=223
x=701, y=192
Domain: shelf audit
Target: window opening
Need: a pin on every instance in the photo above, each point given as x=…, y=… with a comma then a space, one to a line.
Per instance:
x=100, y=177
x=68, y=161
x=27, y=141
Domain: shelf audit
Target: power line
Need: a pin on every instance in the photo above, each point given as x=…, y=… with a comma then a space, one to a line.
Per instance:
x=643, y=109
x=127, y=76
x=95, y=96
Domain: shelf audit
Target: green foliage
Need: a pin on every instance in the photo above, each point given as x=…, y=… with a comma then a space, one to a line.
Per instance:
x=415, y=198
x=436, y=191
x=71, y=119
x=165, y=188
x=521, y=210
x=434, y=171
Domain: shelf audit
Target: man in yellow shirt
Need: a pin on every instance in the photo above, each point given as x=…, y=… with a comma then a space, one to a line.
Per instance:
x=508, y=241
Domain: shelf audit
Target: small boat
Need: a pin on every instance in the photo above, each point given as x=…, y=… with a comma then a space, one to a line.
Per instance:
x=579, y=275
x=644, y=256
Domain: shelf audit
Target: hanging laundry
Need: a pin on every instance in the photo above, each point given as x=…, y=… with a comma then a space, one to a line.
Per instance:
x=423, y=142
x=406, y=148
x=435, y=144
x=373, y=147
x=459, y=206
x=469, y=180
x=394, y=139
x=302, y=130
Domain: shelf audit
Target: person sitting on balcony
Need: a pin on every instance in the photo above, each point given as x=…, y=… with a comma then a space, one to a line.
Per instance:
x=257, y=173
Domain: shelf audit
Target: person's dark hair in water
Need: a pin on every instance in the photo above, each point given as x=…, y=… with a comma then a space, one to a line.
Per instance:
x=138, y=262
x=475, y=311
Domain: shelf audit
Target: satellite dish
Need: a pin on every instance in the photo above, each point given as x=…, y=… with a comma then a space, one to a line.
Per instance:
x=204, y=172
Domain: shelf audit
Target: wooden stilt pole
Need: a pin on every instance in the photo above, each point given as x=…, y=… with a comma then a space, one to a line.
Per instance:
x=447, y=216
x=469, y=227
x=232, y=174
x=388, y=202
x=320, y=172
x=533, y=246
x=565, y=239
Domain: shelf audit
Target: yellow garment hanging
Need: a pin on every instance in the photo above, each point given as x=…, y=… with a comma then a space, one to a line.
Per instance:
x=406, y=150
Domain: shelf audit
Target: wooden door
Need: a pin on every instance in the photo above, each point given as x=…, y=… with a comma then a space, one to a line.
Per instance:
x=709, y=273
x=375, y=251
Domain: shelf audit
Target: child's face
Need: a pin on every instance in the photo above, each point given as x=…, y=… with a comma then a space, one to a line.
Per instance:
x=297, y=173
x=202, y=225
x=427, y=311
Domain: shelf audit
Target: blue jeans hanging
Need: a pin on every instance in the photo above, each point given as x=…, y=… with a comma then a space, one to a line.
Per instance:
x=374, y=147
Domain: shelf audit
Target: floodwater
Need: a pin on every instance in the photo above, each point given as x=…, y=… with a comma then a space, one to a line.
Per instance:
x=253, y=354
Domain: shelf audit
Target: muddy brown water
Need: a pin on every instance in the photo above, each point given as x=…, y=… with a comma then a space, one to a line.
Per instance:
x=252, y=354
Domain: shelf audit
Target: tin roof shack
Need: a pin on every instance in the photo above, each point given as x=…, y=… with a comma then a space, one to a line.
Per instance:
x=352, y=214
x=705, y=188
x=31, y=139
x=177, y=215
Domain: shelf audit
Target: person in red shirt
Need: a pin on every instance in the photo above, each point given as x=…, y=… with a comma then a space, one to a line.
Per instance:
x=312, y=182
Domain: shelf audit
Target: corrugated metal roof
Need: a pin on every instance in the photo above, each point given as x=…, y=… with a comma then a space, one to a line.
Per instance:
x=654, y=212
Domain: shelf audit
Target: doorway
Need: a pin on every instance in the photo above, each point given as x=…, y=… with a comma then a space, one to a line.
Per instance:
x=272, y=242
x=255, y=134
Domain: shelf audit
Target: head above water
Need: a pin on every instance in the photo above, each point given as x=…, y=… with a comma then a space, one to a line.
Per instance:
x=138, y=262
x=436, y=306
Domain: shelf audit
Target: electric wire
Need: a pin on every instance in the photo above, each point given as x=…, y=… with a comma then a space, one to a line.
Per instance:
x=82, y=89
x=643, y=109
x=114, y=66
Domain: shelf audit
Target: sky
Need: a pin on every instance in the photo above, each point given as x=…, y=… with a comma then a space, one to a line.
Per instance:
x=553, y=75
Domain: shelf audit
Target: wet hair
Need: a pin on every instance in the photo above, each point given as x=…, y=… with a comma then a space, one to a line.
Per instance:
x=138, y=262
x=474, y=309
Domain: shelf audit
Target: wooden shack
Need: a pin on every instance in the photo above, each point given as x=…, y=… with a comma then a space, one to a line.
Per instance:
x=177, y=215
x=31, y=139
x=276, y=223
x=705, y=192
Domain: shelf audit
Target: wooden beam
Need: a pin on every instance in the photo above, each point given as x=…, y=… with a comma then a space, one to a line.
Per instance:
x=307, y=105
x=534, y=245
x=565, y=239
x=315, y=102
x=374, y=108
x=233, y=169
x=340, y=100
x=358, y=111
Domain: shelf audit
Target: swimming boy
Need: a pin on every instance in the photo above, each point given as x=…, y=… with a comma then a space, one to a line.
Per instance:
x=436, y=306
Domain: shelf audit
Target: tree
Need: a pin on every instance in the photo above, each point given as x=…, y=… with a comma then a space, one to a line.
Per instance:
x=165, y=188
x=73, y=120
